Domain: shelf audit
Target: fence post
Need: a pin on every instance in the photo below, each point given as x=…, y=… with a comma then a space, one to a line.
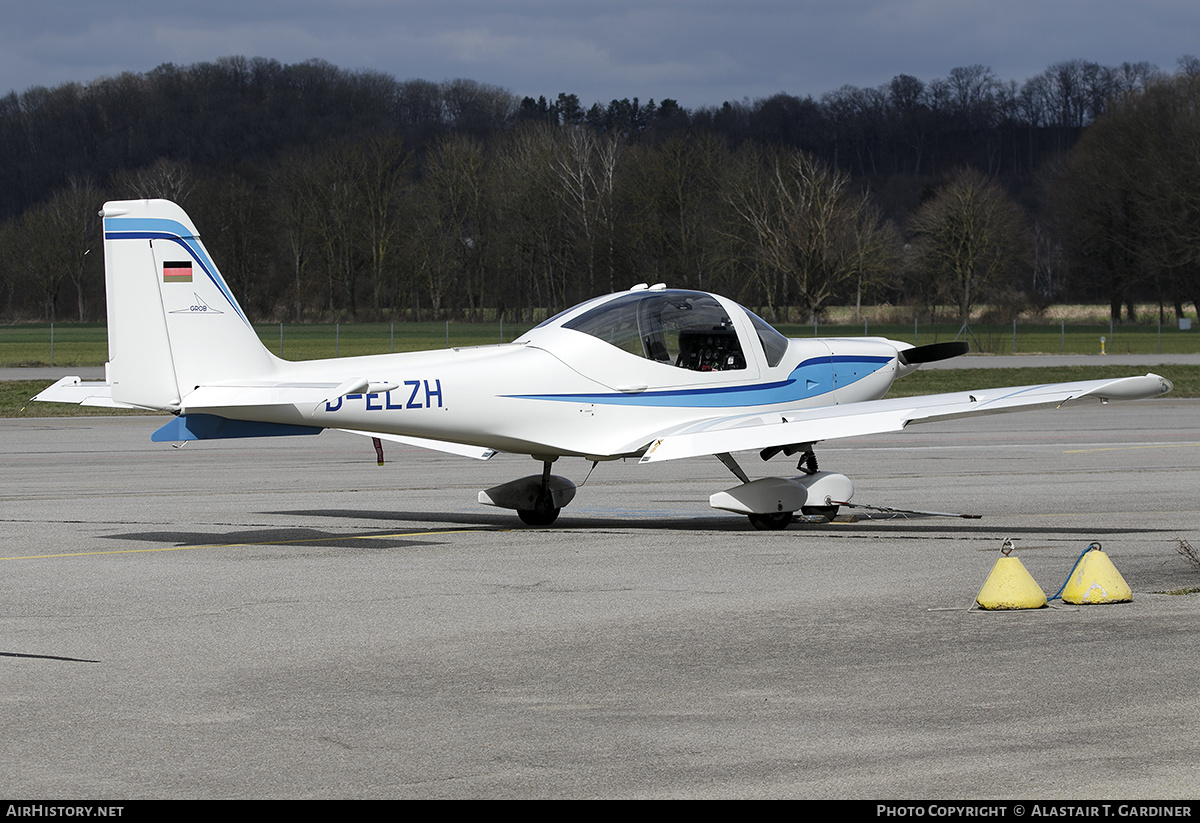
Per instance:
x=281, y=339
x=51, y=344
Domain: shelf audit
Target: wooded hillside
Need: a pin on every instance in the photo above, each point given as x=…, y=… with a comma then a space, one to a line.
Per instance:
x=324, y=193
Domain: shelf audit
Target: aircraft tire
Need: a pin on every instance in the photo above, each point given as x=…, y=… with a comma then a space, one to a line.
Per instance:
x=538, y=517
x=828, y=512
x=771, y=522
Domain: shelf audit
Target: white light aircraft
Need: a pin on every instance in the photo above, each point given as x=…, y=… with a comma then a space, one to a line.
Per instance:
x=651, y=373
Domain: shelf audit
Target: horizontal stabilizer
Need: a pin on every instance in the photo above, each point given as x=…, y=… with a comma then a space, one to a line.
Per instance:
x=213, y=427
x=80, y=393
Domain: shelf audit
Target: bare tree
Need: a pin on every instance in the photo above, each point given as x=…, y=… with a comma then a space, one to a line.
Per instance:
x=292, y=190
x=677, y=197
x=970, y=238
x=585, y=164
x=336, y=206
x=811, y=227
x=76, y=211
x=234, y=217
x=168, y=179
x=531, y=243
x=381, y=173
x=747, y=191
x=1130, y=194
x=972, y=95
x=450, y=221
x=477, y=108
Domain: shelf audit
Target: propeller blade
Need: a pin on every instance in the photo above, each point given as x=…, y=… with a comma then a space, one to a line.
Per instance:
x=933, y=352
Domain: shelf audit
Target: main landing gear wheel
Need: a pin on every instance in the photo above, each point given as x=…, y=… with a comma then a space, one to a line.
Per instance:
x=537, y=499
x=543, y=512
x=771, y=502
x=538, y=517
x=773, y=521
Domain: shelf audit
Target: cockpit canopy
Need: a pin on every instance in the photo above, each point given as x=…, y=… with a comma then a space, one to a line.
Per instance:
x=688, y=329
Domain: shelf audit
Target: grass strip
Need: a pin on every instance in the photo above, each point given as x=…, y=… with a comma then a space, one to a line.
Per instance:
x=86, y=344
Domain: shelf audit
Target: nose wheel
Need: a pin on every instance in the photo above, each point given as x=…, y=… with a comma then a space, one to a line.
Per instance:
x=543, y=512
x=770, y=522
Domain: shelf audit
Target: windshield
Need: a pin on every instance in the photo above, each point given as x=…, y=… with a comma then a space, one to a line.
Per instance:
x=774, y=344
x=691, y=330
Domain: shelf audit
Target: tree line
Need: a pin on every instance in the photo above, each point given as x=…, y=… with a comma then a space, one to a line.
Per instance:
x=331, y=194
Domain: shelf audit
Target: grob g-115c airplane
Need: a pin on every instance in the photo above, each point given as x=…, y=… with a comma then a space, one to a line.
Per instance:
x=651, y=373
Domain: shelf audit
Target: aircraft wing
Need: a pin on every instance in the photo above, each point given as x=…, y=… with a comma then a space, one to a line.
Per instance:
x=751, y=432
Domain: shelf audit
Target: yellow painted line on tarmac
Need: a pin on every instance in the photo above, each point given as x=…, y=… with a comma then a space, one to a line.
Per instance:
x=247, y=545
x=1133, y=448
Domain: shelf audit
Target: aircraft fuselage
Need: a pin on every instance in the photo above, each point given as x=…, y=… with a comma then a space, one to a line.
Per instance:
x=495, y=396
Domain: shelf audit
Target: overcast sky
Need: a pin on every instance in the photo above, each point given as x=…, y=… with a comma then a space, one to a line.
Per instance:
x=699, y=52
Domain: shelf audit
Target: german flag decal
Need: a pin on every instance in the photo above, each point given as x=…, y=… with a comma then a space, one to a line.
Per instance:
x=177, y=272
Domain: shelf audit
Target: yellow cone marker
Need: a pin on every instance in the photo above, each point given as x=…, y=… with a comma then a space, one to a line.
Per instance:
x=1010, y=586
x=1096, y=580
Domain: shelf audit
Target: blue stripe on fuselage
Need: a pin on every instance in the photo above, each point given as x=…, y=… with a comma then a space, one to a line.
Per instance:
x=811, y=378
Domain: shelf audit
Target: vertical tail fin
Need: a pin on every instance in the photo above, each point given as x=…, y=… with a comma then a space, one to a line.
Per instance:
x=173, y=323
